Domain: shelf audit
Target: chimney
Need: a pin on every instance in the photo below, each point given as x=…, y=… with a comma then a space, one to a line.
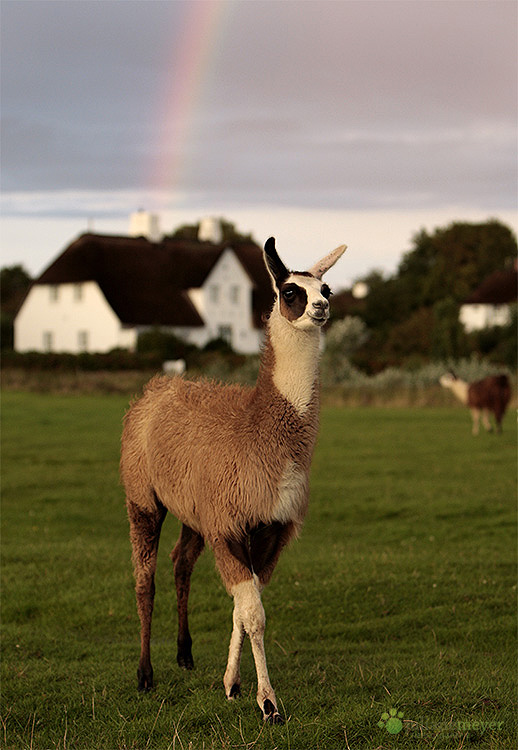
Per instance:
x=210, y=230
x=145, y=224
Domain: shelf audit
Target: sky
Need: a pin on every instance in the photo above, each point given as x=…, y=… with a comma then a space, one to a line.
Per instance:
x=319, y=122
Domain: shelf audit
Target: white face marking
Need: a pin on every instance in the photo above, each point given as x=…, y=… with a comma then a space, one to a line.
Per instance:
x=316, y=309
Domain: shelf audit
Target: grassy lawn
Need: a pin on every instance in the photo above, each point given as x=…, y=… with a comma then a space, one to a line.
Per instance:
x=399, y=595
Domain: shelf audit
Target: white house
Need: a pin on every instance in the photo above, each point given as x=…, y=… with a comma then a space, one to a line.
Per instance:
x=103, y=290
x=490, y=304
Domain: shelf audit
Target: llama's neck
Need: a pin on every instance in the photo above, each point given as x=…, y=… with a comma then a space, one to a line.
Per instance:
x=460, y=389
x=291, y=360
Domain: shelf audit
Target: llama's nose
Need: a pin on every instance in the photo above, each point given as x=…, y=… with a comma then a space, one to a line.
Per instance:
x=321, y=304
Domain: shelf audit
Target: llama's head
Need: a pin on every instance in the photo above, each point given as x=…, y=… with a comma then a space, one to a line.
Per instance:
x=447, y=379
x=301, y=296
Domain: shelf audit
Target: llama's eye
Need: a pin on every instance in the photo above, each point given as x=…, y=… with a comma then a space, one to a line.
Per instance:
x=325, y=291
x=289, y=295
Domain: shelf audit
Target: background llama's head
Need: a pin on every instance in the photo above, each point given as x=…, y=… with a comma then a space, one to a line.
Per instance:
x=301, y=297
x=447, y=379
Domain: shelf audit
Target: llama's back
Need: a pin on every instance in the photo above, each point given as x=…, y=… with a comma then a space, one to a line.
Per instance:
x=185, y=441
x=493, y=392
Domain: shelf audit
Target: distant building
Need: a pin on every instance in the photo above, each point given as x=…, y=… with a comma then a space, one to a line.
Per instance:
x=104, y=290
x=490, y=304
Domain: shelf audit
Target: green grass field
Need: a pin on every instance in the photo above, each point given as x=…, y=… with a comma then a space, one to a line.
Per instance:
x=400, y=594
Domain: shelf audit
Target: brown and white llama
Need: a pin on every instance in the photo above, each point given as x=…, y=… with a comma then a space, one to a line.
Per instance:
x=232, y=464
x=489, y=395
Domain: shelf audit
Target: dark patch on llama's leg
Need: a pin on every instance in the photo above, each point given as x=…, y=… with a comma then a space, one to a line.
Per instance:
x=184, y=556
x=270, y=713
x=145, y=527
x=235, y=690
x=266, y=544
x=258, y=548
x=239, y=547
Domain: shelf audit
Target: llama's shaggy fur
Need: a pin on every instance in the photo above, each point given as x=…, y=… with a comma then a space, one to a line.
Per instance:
x=232, y=464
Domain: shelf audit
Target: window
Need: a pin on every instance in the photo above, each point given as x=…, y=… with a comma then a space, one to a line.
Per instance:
x=54, y=293
x=214, y=293
x=82, y=341
x=78, y=292
x=234, y=294
x=47, y=341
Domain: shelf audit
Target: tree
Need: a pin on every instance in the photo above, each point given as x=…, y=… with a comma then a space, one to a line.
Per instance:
x=416, y=310
x=453, y=261
x=14, y=283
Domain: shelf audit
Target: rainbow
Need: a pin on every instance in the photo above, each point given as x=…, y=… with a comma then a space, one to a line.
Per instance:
x=187, y=79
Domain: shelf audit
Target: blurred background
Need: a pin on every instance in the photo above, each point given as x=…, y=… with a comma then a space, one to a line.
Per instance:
x=390, y=126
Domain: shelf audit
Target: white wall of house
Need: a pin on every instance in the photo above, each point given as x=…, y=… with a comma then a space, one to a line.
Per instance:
x=225, y=304
x=69, y=318
x=476, y=317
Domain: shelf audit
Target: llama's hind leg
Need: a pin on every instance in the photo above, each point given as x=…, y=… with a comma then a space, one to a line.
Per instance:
x=184, y=556
x=145, y=526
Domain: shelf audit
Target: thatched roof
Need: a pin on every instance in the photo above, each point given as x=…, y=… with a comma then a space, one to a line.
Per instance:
x=146, y=283
x=500, y=288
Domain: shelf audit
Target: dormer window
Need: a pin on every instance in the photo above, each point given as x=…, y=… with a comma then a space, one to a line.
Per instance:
x=54, y=293
x=214, y=293
x=78, y=292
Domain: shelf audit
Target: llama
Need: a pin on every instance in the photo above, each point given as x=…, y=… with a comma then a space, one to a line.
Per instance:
x=491, y=394
x=232, y=464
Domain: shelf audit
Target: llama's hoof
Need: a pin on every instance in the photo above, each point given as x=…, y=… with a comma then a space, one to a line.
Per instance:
x=270, y=713
x=185, y=660
x=235, y=691
x=145, y=681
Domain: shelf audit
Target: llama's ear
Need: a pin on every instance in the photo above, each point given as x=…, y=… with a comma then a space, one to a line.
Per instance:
x=274, y=264
x=320, y=268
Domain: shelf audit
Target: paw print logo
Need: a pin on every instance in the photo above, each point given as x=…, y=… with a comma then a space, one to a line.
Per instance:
x=391, y=721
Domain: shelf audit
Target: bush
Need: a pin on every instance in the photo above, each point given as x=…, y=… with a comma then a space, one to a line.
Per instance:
x=164, y=345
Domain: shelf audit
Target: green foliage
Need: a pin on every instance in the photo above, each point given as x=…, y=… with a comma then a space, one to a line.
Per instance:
x=499, y=343
x=163, y=345
x=415, y=312
x=386, y=601
x=14, y=283
x=344, y=338
x=448, y=338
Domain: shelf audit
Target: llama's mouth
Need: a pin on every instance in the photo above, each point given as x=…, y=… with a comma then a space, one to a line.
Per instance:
x=318, y=320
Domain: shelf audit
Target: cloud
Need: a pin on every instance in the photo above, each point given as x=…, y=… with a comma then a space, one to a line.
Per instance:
x=327, y=102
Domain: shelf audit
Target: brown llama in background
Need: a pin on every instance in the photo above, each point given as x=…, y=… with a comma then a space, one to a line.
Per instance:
x=489, y=395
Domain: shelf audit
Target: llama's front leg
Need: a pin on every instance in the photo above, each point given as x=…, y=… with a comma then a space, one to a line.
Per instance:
x=486, y=420
x=145, y=529
x=249, y=612
x=232, y=678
